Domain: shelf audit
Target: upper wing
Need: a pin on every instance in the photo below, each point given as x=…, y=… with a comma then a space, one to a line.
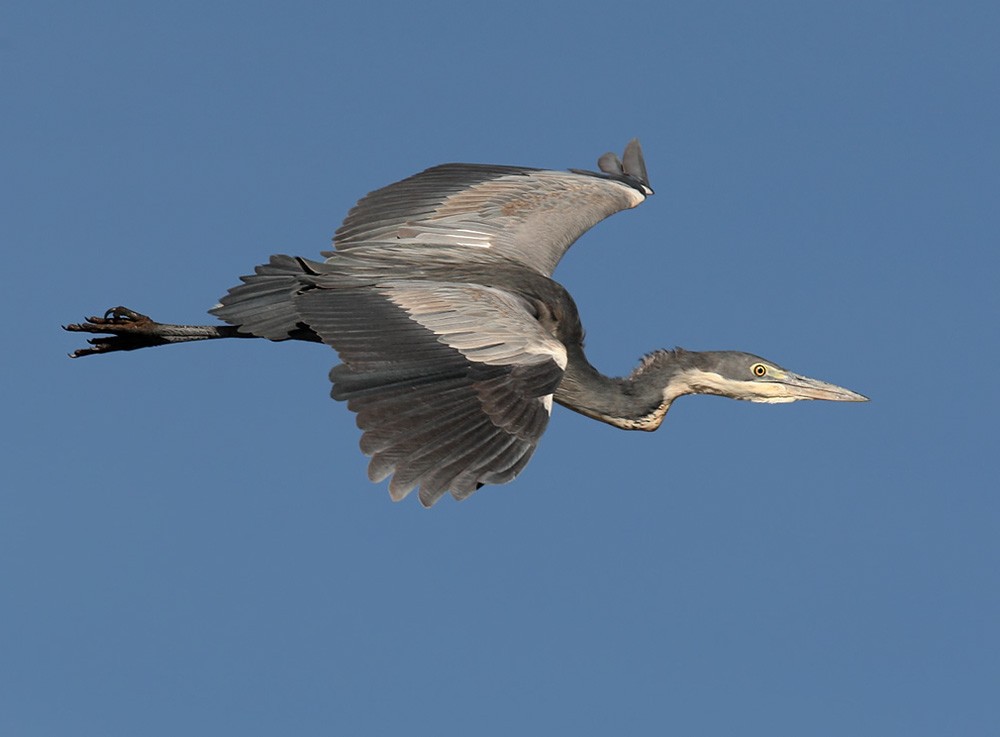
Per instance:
x=452, y=383
x=531, y=216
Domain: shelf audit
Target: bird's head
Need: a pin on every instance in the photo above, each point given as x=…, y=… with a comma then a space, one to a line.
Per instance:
x=745, y=376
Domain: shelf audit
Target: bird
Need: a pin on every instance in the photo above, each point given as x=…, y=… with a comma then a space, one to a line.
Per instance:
x=454, y=341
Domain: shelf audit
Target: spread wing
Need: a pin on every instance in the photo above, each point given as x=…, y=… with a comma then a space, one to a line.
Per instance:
x=452, y=383
x=531, y=216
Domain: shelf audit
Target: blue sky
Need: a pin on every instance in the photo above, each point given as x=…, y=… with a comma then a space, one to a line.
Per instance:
x=188, y=542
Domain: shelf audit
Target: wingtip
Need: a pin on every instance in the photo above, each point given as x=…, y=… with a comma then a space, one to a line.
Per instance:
x=631, y=167
x=634, y=165
x=609, y=163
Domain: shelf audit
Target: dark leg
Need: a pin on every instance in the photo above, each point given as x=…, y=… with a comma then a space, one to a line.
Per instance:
x=127, y=330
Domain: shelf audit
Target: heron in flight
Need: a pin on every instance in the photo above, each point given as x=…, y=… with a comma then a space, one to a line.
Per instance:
x=453, y=338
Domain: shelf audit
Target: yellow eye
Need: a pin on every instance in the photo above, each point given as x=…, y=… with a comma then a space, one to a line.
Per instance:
x=759, y=370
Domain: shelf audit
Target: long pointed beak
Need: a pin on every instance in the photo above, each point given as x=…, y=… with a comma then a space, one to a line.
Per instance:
x=802, y=387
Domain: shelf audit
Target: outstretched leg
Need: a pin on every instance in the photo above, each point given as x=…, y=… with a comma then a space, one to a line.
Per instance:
x=127, y=330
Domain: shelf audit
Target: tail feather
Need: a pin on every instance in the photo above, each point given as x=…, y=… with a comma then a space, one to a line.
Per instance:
x=263, y=304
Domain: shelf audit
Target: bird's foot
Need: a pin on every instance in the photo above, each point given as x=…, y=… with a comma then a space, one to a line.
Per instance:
x=125, y=330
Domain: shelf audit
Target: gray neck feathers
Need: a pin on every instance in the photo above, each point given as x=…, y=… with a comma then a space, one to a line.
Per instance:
x=638, y=401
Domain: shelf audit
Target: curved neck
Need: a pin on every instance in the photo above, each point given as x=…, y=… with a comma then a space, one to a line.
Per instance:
x=638, y=401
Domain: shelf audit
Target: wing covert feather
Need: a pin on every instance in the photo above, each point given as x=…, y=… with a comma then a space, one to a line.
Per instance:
x=531, y=216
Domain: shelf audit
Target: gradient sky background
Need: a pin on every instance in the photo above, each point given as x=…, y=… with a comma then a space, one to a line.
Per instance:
x=188, y=542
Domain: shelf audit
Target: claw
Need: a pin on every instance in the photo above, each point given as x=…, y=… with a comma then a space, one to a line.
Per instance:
x=127, y=330
x=118, y=315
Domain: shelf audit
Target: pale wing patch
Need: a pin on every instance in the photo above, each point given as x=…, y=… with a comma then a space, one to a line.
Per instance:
x=445, y=232
x=486, y=325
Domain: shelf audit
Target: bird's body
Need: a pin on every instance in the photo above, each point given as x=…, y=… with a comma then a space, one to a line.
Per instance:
x=453, y=338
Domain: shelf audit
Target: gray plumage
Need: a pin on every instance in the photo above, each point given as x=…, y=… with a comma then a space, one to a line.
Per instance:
x=453, y=339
